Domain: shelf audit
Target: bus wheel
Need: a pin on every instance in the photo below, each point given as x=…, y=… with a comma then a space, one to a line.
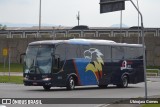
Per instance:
x=70, y=83
x=124, y=83
x=46, y=87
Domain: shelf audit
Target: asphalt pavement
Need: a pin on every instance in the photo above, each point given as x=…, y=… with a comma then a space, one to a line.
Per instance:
x=133, y=91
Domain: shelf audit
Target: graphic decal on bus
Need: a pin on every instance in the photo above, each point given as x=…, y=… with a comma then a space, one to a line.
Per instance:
x=126, y=65
x=96, y=62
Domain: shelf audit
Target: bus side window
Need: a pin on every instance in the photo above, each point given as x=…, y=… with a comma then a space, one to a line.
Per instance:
x=117, y=53
x=72, y=52
x=61, y=51
x=59, y=57
x=133, y=53
x=107, y=54
x=83, y=48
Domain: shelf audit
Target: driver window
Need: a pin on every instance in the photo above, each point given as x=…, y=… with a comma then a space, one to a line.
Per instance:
x=59, y=57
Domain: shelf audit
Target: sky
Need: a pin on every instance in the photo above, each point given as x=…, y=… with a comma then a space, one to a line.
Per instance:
x=63, y=12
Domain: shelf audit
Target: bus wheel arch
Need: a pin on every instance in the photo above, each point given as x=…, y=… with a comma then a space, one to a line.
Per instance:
x=75, y=79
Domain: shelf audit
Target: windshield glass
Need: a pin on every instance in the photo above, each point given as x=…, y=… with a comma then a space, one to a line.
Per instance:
x=38, y=59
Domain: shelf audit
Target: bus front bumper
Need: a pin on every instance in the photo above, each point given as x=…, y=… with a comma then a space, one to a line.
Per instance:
x=37, y=82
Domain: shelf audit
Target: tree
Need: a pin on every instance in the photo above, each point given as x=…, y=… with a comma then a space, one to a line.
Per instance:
x=0, y=26
x=3, y=27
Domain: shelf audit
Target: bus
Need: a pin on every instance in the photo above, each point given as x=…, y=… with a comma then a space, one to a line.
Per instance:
x=81, y=62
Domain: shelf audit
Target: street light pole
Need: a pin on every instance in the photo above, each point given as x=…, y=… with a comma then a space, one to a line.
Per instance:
x=78, y=17
x=110, y=6
x=121, y=37
x=143, y=42
x=138, y=22
x=39, y=14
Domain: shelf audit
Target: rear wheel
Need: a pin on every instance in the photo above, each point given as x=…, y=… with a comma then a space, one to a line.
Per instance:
x=46, y=87
x=124, y=83
x=70, y=83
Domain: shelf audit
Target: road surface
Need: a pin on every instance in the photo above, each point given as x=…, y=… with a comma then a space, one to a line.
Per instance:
x=133, y=91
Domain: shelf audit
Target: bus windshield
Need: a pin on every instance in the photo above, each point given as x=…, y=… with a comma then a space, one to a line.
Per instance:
x=38, y=59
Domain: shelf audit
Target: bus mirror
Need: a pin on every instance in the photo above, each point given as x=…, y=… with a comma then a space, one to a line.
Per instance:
x=23, y=54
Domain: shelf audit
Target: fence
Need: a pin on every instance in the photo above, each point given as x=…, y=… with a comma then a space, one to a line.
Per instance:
x=18, y=40
x=153, y=74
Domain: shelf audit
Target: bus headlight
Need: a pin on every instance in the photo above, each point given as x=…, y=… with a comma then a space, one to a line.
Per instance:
x=46, y=79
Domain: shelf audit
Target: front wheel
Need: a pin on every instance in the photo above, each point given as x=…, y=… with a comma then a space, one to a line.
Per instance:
x=124, y=83
x=70, y=83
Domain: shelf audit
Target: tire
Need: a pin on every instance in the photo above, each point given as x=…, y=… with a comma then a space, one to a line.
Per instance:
x=46, y=87
x=124, y=83
x=70, y=83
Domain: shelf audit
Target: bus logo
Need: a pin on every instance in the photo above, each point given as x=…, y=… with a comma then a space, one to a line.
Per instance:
x=126, y=65
x=96, y=62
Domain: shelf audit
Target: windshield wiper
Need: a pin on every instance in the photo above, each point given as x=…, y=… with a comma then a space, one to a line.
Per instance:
x=32, y=67
x=37, y=67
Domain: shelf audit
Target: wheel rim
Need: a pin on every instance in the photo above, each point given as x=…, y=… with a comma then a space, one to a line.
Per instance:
x=125, y=82
x=72, y=84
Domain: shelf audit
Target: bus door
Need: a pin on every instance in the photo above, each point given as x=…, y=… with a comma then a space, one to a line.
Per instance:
x=57, y=71
x=58, y=61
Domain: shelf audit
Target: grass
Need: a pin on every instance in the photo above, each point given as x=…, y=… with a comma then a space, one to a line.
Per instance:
x=151, y=105
x=152, y=71
x=15, y=67
x=12, y=79
x=153, y=67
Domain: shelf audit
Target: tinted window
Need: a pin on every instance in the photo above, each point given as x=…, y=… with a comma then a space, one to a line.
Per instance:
x=107, y=55
x=61, y=51
x=133, y=53
x=73, y=51
x=117, y=53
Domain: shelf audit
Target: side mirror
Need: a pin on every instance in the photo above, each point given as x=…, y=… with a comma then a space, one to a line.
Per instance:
x=23, y=54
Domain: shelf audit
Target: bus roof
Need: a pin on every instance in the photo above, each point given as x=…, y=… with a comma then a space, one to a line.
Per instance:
x=84, y=42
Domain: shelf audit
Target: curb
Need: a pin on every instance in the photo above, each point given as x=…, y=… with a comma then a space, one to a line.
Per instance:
x=153, y=76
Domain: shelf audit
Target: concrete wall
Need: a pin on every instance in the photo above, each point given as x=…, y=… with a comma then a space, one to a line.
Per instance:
x=19, y=42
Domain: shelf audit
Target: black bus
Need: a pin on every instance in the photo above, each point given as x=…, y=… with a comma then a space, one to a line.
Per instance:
x=80, y=62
